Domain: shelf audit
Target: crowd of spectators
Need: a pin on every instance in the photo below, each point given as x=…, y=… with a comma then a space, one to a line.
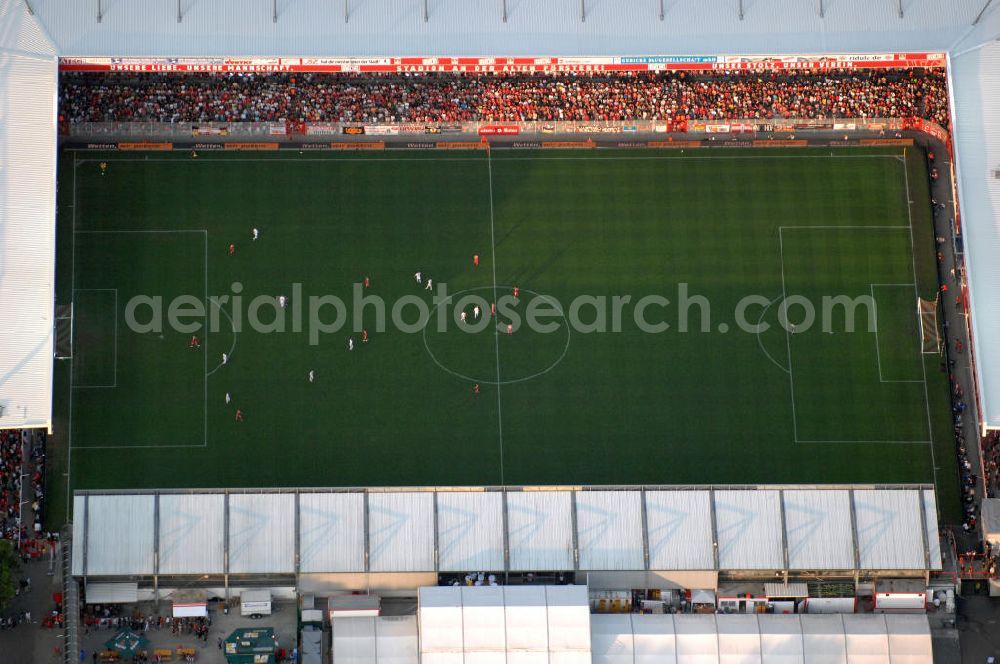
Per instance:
x=991, y=460
x=447, y=97
x=22, y=456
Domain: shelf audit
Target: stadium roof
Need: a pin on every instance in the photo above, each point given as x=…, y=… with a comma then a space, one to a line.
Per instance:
x=976, y=101
x=598, y=530
x=476, y=27
x=27, y=212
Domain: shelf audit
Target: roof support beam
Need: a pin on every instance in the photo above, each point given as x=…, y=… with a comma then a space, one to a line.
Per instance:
x=899, y=6
x=298, y=537
x=100, y=12
x=715, y=531
x=979, y=16
x=367, y=548
x=506, y=536
x=274, y=11
x=437, y=561
x=923, y=529
x=504, y=11
x=347, y=8
x=180, y=16
x=576, y=536
x=426, y=15
x=86, y=532
x=583, y=11
x=739, y=8
x=225, y=543
x=662, y=12
x=645, y=529
x=156, y=547
x=820, y=3
x=784, y=533
x=854, y=535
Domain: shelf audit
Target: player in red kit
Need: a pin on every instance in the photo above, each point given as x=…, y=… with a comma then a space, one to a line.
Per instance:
x=475, y=259
x=194, y=343
x=510, y=329
x=232, y=249
x=367, y=282
x=475, y=389
x=239, y=415
x=517, y=291
x=493, y=309
x=364, y=336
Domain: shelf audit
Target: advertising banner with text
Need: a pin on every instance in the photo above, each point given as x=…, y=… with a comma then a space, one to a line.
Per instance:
x=503, y=65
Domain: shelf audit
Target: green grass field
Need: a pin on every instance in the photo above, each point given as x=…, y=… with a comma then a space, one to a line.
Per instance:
x=564, y=407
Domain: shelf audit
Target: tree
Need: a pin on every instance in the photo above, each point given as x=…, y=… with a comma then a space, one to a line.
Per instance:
x=9, y=565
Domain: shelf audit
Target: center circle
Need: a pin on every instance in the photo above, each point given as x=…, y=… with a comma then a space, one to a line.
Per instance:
x=494, y=381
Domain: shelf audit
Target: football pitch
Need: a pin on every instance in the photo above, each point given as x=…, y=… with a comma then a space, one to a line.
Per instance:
x=611, y=245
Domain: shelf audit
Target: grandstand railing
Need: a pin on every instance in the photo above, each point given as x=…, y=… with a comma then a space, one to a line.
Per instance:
x=176, y=130
x=285, y=130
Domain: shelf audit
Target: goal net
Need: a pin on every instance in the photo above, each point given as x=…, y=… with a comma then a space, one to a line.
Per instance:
x=64, y=331
x=930, y=339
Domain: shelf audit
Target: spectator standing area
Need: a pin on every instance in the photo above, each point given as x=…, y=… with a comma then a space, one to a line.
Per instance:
x=714, y=404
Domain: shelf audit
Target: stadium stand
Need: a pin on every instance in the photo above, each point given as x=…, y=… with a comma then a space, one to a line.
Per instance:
x=89, y=97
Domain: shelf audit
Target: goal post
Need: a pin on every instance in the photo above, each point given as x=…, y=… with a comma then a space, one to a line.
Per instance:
x=930, y=337
x=64, y=331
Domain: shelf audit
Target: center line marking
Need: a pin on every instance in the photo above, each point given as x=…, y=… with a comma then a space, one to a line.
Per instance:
x=496, y=331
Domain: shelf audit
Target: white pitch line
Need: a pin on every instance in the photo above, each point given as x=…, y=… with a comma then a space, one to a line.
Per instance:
x=232, y=348
x=866, y=442
x=761, y=343
x=114, y=382
x=916, y=292
x=878, y=353
x=678, y=155
x=788, y=340
x=69, y=422
x=496, y=332
x=142, y=230
x=205, y=350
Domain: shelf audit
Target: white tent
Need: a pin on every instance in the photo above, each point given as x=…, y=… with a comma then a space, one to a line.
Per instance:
x=382, y=640
x=767, y=639
x=495, y=625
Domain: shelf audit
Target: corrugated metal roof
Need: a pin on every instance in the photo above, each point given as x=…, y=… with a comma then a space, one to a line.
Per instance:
x=476, y=27
x=332, y=532
x=933, y=536
x=261, y=533
x=818, y=527
x=27, y=229
x=890, y=531
x=124, y=545
x=543, y=529
x=749, y=529
x=401, y=532
x=191, y=533
x=609, y=530
x=79, y=533
x=976, y=99
x=470, y=531
x=678, y=538
x=540, y=530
